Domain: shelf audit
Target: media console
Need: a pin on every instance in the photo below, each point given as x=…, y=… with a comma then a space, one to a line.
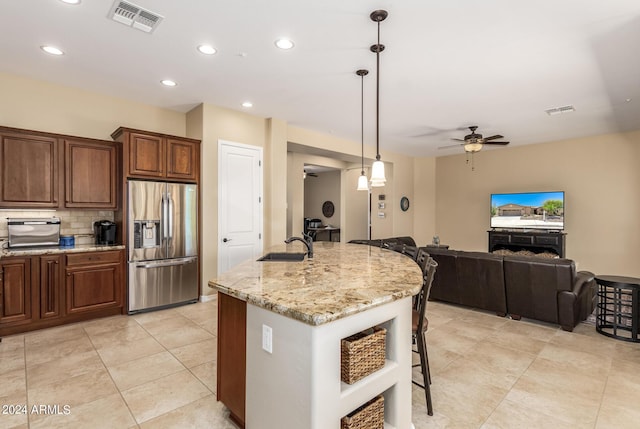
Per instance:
x=536, y=241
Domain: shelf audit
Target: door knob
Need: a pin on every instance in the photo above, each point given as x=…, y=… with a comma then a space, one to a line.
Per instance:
x=224, y=240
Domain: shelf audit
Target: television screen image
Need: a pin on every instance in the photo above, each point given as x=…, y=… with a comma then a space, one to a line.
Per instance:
x=535, y=210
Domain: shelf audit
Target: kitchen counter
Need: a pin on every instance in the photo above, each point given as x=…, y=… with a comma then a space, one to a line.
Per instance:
x=280, y=326
x=340, y=280
x=37, y=251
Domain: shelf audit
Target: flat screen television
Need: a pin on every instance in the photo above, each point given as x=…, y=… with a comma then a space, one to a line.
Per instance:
x=528, y=210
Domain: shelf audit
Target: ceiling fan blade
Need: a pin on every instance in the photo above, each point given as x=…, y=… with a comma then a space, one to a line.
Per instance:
x=497, y=136
x=498, y=143
x=451, y=145
x=458, y=140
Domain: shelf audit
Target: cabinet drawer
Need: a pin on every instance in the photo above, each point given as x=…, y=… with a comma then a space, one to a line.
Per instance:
x=543, y=239
x=110, y=256
x=522, y=239
x=500, y=238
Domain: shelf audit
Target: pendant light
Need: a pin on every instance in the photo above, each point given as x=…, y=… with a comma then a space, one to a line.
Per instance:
x=363, y=182
x=377, y=169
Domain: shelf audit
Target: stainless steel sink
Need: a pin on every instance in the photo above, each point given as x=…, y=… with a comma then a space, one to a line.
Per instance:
x=282, y=256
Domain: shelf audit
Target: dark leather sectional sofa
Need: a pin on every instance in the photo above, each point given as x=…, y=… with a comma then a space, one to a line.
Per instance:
x=544, y=289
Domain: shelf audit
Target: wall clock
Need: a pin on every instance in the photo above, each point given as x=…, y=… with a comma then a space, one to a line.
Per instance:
x=328, y=209
x=404, y=204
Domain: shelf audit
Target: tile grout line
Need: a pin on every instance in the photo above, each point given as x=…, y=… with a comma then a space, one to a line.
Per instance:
x=111, y=377
x=26, y=380
x=179, y=361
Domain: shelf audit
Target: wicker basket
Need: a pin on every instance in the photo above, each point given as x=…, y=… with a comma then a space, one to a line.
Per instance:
x=368, y=416
x=362, y=354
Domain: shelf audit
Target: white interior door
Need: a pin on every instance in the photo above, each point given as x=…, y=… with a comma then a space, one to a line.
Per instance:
x=239, y=203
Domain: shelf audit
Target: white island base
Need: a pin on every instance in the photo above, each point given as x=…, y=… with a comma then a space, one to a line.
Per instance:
x=298, y=385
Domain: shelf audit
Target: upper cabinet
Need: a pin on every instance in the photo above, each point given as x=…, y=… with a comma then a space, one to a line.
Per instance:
x=44, y=170
x=91, y=174
x=158, y=156
x=30, y=168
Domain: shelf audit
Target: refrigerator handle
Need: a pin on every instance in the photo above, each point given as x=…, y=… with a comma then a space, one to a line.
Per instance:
x=165, y=217
x=170, y=213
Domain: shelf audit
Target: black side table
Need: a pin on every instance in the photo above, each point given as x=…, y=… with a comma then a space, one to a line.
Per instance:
x=617, y=312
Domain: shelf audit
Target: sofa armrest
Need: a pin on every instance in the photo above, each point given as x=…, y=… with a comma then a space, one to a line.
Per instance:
x=576, y=305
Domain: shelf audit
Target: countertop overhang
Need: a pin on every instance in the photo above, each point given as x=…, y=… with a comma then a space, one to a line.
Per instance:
x=340, y=280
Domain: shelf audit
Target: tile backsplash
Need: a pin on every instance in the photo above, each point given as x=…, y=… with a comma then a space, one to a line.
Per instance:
x=78, y=223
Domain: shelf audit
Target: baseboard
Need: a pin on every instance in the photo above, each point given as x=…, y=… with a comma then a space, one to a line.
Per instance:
x=207, y=298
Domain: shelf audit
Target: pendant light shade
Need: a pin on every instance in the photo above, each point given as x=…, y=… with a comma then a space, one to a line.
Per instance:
x=377, y=169
x=377, y=174
x=363, y=183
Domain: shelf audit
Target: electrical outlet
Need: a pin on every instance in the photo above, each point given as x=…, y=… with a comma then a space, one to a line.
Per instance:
x=267, y=339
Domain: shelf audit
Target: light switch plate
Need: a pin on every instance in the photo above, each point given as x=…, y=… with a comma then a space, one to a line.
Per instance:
x=267, y=339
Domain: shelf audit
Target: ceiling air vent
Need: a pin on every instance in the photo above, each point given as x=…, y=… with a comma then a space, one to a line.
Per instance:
x=559, y=110
x=134, y=16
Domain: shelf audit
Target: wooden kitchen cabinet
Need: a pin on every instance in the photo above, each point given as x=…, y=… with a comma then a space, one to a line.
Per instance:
x=91, y=174
x=94, y=281
x=16, y=293
x=30, y=170
x=45, y=170
x=182, y=159
x=232, y=352
x=158, y=156
x=51, y=290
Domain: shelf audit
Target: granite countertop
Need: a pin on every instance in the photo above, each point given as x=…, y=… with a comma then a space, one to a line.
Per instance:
x=340, y=280
x=37, y=251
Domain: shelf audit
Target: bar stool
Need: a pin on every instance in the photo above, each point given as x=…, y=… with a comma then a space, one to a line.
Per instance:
x=420, y=324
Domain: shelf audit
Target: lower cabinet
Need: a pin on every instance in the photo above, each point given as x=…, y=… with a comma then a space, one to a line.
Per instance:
x=51, y=293
x=94, y=281
x=16, y=297
x=42, y=291
x=231, y=367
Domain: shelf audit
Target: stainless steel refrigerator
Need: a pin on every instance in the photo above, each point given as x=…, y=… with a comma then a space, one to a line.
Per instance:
x=163, y=244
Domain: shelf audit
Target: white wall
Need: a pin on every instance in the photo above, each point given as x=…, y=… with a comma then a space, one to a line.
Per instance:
x=325, y=187
x=600, y=177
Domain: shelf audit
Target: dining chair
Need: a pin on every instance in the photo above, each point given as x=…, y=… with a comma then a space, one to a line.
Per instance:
x=420, y=324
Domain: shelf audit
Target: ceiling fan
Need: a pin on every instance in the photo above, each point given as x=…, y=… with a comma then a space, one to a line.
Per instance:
x=473, y=142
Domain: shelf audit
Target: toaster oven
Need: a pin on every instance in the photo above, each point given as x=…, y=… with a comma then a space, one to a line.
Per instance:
x=33, y=231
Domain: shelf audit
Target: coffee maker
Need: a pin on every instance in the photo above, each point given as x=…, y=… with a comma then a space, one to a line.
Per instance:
x=105, y=232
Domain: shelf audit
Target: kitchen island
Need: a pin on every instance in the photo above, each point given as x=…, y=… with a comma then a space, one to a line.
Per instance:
x=280, y=326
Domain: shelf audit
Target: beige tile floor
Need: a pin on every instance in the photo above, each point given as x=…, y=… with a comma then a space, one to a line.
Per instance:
x=158, y=370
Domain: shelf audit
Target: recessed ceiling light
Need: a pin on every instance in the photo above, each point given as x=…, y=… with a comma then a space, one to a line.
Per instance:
x=168, y=82
x=247, y=104
x=51, y=50
x=284, y=43
x=207, y=49
x=71, y=1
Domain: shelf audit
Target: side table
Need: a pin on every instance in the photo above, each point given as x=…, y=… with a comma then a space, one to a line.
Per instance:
x=617, y=310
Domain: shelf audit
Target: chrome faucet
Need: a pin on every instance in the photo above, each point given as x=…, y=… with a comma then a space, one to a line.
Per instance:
x=307, y=241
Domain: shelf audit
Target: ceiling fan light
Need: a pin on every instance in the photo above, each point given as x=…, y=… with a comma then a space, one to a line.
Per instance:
x=363, y=183
x=472, y=147
x=377, y=174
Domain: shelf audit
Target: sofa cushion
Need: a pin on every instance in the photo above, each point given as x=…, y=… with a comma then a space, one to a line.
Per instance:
x=481, y=281
x=445, y=281
x=532, y=285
